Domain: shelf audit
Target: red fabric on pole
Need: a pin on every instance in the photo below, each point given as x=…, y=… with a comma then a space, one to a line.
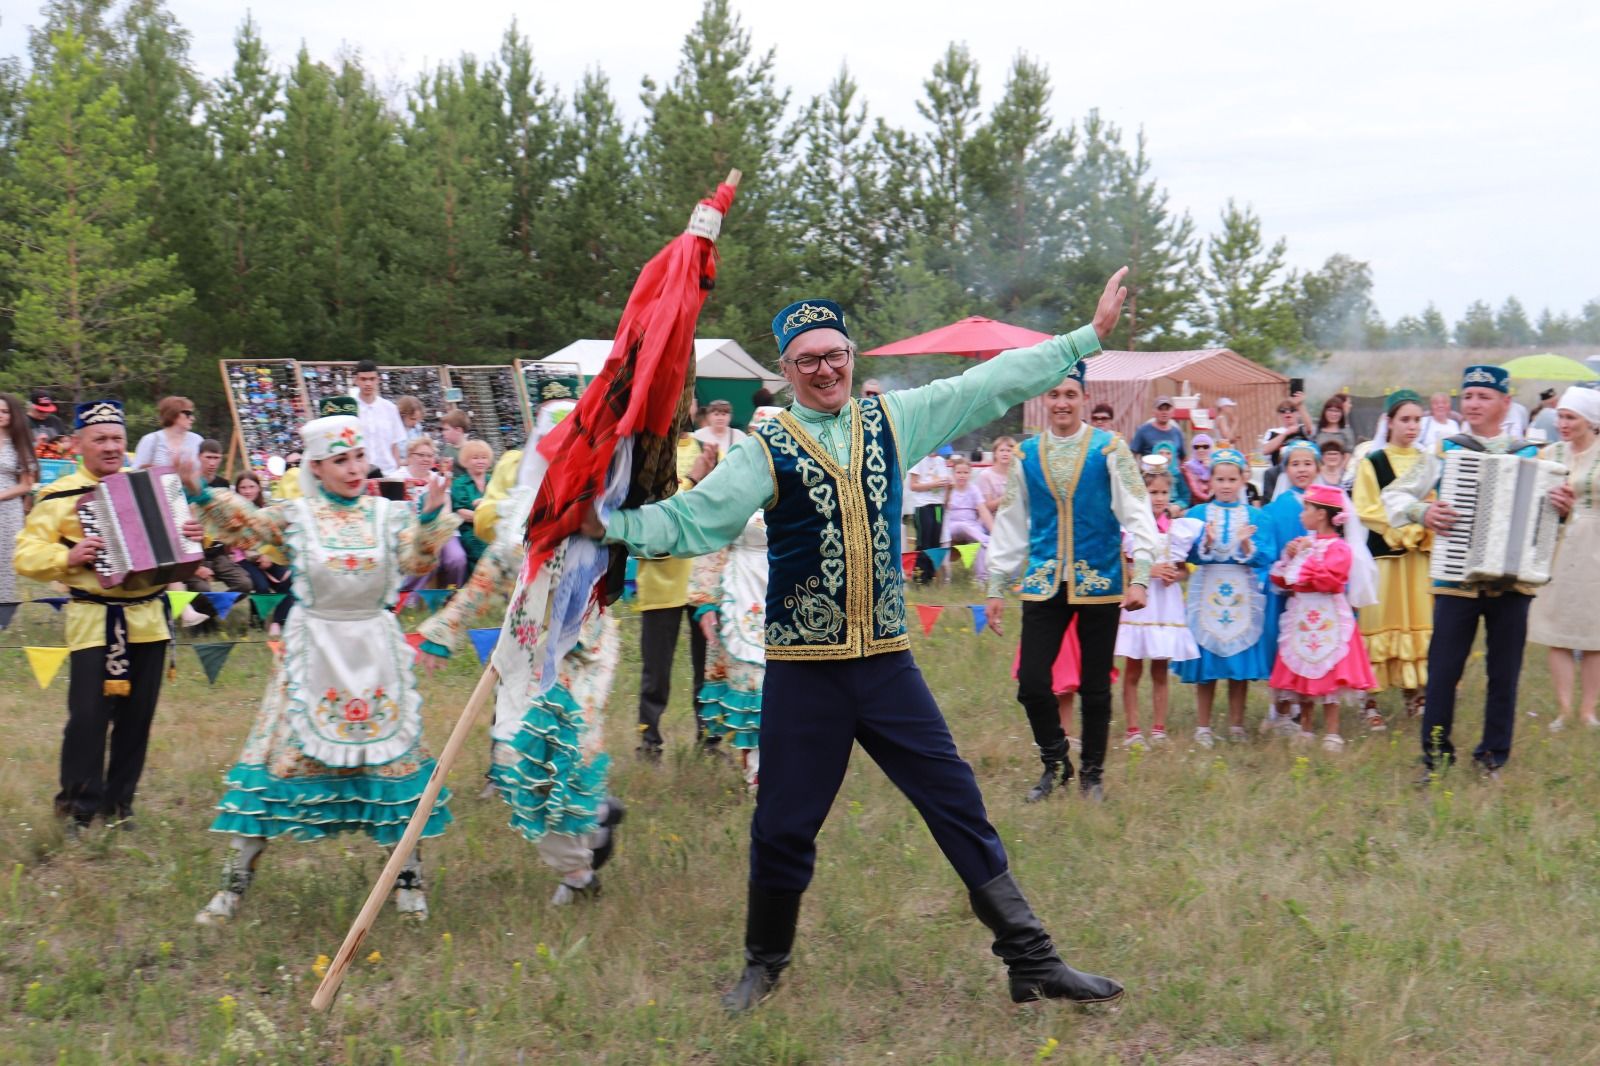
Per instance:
x=979, y=337
x=637, y=391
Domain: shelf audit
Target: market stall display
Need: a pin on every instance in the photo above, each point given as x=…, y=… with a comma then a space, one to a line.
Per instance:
x=426, y=383
x=268, y=404
x=491, y=397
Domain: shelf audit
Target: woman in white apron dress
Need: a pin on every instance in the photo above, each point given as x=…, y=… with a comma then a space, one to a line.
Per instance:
x=728, y=590
x=337, y=745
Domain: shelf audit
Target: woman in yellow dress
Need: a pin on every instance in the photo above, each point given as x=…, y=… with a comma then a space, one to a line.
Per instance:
x=1399, y=626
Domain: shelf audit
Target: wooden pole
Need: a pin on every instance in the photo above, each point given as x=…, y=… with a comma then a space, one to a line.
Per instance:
x=329, y=988
x=236, y=444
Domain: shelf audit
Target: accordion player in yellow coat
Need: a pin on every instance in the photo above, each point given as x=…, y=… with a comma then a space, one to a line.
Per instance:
x=118, y=638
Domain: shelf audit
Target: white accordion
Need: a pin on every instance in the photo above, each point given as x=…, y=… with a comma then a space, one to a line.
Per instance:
x=1506, y=529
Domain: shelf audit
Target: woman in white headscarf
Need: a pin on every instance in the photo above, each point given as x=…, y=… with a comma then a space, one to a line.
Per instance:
x=337, y=745
x=1562, y=617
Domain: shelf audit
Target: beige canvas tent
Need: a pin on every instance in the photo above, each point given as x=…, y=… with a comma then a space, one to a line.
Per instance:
x=1130, y=382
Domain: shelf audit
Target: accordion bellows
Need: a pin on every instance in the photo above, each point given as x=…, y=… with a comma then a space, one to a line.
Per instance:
x=1507, y=529
x=140, y=516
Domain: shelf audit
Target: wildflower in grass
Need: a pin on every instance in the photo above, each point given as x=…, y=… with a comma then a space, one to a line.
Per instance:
x=1302, y=765
x=446, y=938
x=543, y=951
x=226, y=1005
x=1046, y=1049
x=165, y=949
x=320, y=967
x=375, y=958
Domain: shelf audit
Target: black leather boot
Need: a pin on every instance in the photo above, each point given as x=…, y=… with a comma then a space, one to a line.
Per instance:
x=1055, y=762
x=1020, y=940
x=768, y=938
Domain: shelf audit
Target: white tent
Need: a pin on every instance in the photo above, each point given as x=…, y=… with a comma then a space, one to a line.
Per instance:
x=722, y=359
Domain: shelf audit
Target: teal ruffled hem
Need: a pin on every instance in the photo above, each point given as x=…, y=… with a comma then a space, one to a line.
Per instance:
x=732, y=713
x=548, y=786
x=257, y=804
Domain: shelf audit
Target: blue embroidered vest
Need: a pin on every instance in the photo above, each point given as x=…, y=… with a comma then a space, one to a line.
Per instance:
x=834, y=586
x=1071, y=524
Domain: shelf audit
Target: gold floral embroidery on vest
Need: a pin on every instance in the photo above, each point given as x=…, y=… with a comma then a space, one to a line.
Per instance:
x=890, y=611
x=1087, y=579
x=1041, y=581
x=817, y=618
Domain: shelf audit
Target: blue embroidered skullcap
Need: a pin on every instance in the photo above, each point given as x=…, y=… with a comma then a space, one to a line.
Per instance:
x=98, y=413
x=1301, y=446
x=1232, y=456
x=805, y=315
x=1486, y=376
x=1078, y=370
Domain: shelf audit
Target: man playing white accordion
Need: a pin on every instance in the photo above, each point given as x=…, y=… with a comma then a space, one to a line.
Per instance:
x=1458, y=607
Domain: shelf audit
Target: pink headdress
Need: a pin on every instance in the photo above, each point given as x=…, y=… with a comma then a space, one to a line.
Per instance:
x=1329, y=496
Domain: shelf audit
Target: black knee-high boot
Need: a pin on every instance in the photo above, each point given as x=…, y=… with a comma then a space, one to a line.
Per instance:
x=768, y=938
x=1036, y=970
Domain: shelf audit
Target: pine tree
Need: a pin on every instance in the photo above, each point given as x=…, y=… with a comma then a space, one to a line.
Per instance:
x=1334, y=304
x=1477, y=328
x=243, y=209
x=1512, y=324
x=455, y=264
x=537, y=163
x=336, y=233
x=1555, y=330
x=723, y=109
x=1435, y=330
x=92, y=309
x=11, y=83
x=1119, y=217
x=849, y=226
x=594, y=245
x=1248, y=305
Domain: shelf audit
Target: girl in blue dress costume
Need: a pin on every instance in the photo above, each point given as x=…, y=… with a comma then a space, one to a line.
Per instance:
x=1227, y=606
x=337, y=745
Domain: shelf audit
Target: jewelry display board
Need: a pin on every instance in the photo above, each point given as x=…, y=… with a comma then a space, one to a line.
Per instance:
x=268, y=404
x=489, y=395
x=426, y=383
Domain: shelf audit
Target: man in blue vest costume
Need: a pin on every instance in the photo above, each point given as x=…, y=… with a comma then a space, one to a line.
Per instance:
x=1502, y=605
x=1072, y=491
x=828, y=472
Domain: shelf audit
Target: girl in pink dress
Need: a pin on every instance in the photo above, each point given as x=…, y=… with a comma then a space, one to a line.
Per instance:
x=1320, y=652
x=966, y=517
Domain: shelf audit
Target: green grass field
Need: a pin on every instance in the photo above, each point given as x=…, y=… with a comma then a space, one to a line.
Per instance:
x=1261, y=907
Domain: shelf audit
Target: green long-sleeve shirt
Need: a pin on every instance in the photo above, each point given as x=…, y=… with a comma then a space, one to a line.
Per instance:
x=713, y=513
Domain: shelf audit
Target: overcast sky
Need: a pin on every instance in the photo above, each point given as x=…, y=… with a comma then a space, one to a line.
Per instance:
x=1453, y=145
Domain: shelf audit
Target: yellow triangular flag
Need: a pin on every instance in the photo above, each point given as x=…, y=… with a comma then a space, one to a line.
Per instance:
x=180, y=600
x=968, y=553
x=46, y=662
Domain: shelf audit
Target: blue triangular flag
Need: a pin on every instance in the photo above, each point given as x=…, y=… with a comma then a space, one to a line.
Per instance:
x=223, y=602
x=483, y=641
x=980, y=616
x=56, y=602
x=937, y=556
x=434, y=598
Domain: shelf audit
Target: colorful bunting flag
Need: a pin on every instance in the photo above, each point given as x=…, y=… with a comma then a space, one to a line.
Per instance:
x=213, y=656
x=56, y=602
x=968, y=553
x=908, y=562
x=483, y=641
x=400, y=603
x=980, y=616
x=46, y=662
x=415, y=640
x=265, y=603
x=179, y=599
x=929, y=614
x=223, y=601
x=276, y=647
x=937, y=556
x=434, y=598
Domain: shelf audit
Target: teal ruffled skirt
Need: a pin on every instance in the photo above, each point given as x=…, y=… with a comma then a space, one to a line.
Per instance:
x=732, y=713
x=378, y=801
x=543, y=774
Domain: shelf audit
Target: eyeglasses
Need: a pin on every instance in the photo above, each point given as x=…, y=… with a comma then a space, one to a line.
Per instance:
x=1286, y=410
x=870, y=393
x=810, y=364
x=187, y=414
x=1099, y=418
x=1202, y=447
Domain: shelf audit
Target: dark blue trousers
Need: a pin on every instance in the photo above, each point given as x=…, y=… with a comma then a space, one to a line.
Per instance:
x=1455, y=629
x=811, y=715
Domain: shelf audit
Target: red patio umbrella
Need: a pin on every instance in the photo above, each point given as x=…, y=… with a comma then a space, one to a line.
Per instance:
x=976, y=337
